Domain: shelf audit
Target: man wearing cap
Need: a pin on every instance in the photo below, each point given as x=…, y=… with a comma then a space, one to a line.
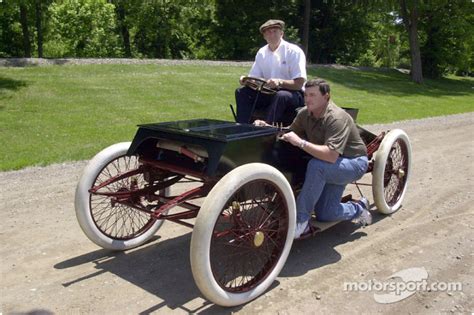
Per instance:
x=283, y=66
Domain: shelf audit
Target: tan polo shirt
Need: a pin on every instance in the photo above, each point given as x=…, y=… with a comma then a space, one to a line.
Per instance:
x=335, y=128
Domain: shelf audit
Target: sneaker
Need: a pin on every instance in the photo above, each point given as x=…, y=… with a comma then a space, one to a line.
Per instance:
x=301, y=228
x=364, y=203
x=364, y=218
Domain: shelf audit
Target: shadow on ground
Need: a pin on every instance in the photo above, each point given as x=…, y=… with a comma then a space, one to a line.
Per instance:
x=11, y=84
x=163, y=267
x=320, y=250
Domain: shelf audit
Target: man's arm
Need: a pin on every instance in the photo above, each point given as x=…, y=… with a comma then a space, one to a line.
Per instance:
x=322, y=152
x=293, y=84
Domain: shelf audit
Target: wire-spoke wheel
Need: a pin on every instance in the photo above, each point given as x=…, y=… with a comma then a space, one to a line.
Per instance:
x=108, y=210
x=243, y=234
x=391, y=172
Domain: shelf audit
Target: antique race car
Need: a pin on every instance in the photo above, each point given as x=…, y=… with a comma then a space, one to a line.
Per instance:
x=234, y=183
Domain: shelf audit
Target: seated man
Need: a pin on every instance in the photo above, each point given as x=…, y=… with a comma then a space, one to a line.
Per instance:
x=330, y=136
x=283, y=66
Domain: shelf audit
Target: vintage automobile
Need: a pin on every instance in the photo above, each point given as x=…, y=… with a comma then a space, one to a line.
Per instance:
x=234, y=183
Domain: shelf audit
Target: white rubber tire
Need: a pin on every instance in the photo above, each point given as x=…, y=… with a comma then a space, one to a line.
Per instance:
x=381, y=158
x=82, y=202
x=206, y=220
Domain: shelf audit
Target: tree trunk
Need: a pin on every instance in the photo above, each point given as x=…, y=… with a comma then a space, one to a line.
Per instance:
x=410, y=20
x=123, y=29
x=24, y=28
x=39, y=28
x=307, y=13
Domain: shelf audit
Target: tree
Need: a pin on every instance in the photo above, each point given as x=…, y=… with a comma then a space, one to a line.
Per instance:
x=198, y=22
x=236, y=25
x=365, y=32
x=447, y=46
x=385, y=37
x=121, y=10
x=25, y=29
x=11, y=37
x=157, y=30
x=339, y=32
x=307, y=15
x=410, y=15
x=408, y=11
x=39, y=28
x=83, y=28
x=41, y=14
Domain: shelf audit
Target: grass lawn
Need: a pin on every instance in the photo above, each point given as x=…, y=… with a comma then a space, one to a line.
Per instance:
x=62, y=113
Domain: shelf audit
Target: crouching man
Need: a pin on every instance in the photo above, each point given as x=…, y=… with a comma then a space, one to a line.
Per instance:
x=331, y=137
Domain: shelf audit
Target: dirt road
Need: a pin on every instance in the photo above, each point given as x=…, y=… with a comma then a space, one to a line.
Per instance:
x=49, y=266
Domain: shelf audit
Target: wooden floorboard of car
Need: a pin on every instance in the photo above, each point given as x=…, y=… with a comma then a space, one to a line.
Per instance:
x=324, y=225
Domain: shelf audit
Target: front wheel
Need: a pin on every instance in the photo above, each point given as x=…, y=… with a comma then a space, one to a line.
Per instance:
x=105, y=221
x=243, y=234
x=391, y=171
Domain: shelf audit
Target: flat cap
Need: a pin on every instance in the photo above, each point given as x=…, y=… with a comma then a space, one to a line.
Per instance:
x=272, y=23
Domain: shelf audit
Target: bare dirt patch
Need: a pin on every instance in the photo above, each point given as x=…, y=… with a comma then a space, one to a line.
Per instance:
x=48, y=264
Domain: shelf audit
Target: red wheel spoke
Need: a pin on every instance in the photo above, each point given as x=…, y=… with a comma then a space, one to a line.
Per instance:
x=122, y=219
x=249, y=236
x=395, y=173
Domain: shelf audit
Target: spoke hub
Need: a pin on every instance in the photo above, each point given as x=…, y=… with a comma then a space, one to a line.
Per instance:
x=258, y=239
x=401, y=173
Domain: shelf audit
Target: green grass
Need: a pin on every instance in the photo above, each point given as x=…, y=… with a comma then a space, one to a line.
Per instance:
x=387, y=96
x=63, y=113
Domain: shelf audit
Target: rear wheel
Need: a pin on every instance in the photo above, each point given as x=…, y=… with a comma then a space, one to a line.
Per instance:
x=243, y=234
x=106, y=220
x=391, y=171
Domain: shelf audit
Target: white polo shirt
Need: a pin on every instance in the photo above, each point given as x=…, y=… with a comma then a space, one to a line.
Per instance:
x=287, y=62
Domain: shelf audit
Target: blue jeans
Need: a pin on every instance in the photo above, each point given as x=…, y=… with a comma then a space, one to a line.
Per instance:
x=323, y=188
x=279, y=107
